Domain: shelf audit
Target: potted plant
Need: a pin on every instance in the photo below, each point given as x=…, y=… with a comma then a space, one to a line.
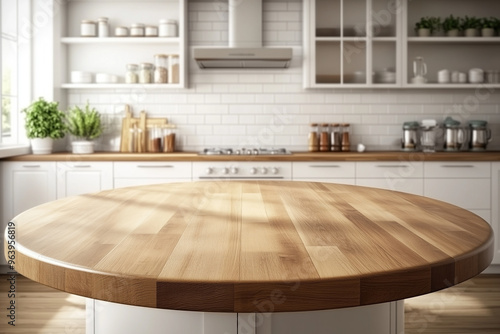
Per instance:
x=451, y=26
x=488, y=26
x=44, y=123
x=470, y=26
x=427, y=25
x=84, y=124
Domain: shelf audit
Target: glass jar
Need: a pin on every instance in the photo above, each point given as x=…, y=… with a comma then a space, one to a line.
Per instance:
x=169, y=139
x=146, y=73
x=121, y=31
x=173, y=70
x=88, y=28
x=151, y=31
x=131, y=75
x=336, y=138
x=137, y=30
x=346, y=145
x=161, y=73
x=313, y=139
x=102, y=27
x=154, y=139
x=167, y=28
x=324, y=138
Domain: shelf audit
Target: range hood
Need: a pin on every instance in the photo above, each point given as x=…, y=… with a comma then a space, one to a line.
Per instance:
x=245, y=42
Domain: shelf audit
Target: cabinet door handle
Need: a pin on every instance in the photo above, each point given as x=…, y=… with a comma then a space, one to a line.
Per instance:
x=31, y=166
x=324, y=166
x=457, y=166
x=155, y=166
x=392, y=166
x=82, y=166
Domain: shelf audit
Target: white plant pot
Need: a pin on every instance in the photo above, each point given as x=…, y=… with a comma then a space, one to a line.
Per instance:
x=452, y=33
x=42, y=145
x=82, y=147
x=424, y=32
x=470, y=32
x=487, y=32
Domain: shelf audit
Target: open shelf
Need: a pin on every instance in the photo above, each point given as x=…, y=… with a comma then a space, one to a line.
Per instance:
x=120, y=40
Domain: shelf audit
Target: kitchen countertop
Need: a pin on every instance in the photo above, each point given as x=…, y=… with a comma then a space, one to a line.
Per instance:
x=226, y=246
x=297, y=156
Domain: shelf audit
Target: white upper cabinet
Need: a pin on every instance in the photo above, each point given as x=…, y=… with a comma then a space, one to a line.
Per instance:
x=110, y=55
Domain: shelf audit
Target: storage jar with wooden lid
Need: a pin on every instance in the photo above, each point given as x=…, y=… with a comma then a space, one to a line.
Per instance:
x=173, y=69
x=336, y=137
x=161, y=72
x=324, y=138
x=169, y=138
x=88, y=28
x=346, y=145
x=313, y=138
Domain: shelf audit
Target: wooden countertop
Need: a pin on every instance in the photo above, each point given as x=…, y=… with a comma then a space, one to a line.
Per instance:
x=296, y=156
x=250, y=246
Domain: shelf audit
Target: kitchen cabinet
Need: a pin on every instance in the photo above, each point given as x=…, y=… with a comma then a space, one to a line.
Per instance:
x=495, y=208
x=75, y=178
x=465, y=184
x=331, y=172
x=405, y=176
x=110, y=55
x=344, y=40
x=452, y=53
x=128, y=174
x=25, y=185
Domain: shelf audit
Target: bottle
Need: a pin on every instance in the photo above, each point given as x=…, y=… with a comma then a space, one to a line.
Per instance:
x=346, y=145
x=161, y=73
x=336, y=138
x=146, y=73
x=173, y=70
x=131, y=74
x=313, y=138
x=102, y=27
x=324, y=138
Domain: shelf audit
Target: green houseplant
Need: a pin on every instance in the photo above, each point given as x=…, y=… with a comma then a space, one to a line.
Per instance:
x=85, y=125
x=470, y=26
x=451, y=26
x=488, y=26
x=44, y=123
x=427, y=26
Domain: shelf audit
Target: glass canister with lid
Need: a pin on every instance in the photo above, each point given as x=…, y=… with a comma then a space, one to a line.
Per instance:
x=161, y=72
x=313, y=138
x=131, y=75
x=146, y=73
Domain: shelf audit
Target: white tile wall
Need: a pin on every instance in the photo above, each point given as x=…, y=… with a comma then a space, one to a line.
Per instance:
x=270, y=107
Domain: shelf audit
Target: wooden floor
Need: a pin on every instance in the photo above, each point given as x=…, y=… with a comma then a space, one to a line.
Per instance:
x=471, y=307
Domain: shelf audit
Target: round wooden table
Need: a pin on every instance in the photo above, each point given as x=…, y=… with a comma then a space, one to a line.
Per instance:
x=250, y=246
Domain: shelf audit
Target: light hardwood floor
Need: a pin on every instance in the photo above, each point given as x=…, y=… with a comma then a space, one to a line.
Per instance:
x=471, y=307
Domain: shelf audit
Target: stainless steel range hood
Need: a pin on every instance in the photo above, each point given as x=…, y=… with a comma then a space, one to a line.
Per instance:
x=245, y=42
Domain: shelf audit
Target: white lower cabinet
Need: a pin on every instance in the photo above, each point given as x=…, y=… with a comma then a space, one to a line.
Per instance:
x=135, y=173
x=465, y=184
x=329, y=172
x=76, y=178
x=495, y=208
x=25, y=185
x=399, y=176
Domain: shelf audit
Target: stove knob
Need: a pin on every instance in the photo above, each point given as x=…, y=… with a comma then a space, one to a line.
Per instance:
x=225, y=170
x=253, y=170
x=234, y=170
x=209, y=170
x=274, y=170
x=255, y=151
x=248, y=152
x=263, y=170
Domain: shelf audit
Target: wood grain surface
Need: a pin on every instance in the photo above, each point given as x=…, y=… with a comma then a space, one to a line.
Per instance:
x=296, y=156
x=250, y=246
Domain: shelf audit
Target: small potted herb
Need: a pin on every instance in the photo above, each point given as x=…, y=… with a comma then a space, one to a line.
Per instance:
x=488, y=26
x=470, y=26
x=44, y=123
x=85, y=125
x=451, y=26
x=427, y=26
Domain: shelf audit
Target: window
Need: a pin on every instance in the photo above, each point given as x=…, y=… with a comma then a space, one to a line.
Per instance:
x=12, y=56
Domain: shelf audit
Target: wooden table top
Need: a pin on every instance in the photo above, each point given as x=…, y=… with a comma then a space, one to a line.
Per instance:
x=250, y=246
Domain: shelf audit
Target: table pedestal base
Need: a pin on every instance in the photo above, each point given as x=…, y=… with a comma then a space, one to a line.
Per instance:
x=111, y=318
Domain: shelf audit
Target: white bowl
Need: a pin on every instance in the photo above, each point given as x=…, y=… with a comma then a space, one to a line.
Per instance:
x=106, y=78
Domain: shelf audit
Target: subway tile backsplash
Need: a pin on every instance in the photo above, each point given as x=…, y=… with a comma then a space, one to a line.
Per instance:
x=270, y=107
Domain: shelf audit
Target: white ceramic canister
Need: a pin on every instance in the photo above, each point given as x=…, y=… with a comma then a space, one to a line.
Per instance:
x=167, y=28
x=444, y=76
x=137, y=30
x=102, y=27
x=476, y=75
x=151, y=31
x=121, y=31
x=88, y=28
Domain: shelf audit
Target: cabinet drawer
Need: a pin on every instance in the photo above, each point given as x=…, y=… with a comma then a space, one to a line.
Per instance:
x=389, y=170
x=457, y=169
x=465, y=193
x=407, y=185
x=322, y=170
x=156, y=169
